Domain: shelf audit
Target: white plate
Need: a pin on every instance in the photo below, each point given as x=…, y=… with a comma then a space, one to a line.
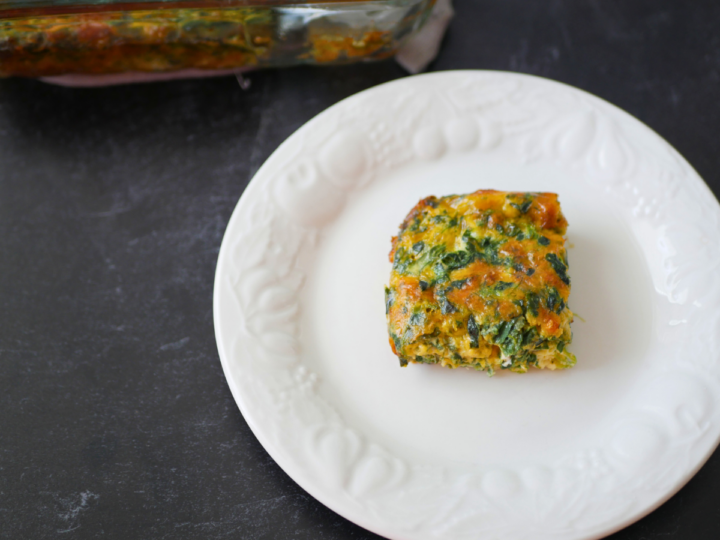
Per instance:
x=430, y=453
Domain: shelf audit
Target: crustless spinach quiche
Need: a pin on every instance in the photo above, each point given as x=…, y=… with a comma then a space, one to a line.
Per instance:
x=481, y=280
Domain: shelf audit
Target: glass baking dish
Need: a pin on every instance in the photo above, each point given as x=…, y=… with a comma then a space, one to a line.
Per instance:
x=55, y=37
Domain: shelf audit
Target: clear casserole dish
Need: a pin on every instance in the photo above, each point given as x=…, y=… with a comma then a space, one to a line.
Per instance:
x=55, y=37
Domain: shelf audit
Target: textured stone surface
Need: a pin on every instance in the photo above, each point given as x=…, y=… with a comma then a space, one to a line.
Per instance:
x=116, y=421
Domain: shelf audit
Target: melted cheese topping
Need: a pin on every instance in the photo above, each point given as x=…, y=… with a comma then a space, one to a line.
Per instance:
x=480, y=280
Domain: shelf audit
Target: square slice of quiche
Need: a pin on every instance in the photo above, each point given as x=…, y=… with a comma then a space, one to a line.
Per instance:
x=481, y=281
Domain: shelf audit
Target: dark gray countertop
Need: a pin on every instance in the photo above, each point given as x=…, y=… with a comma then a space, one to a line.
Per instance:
x=115, y=418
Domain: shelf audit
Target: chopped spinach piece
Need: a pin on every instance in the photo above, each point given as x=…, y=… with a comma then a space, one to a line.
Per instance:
x=435, y=251
x=505, y=329
x=474, y=332
x=403, y=361
x=418, y=246
x=484, y=218
x=544, y=241
x=502, y=285
x=559, y=267
x=533, y=301
x=415, y=225
x=424, y=285
x=530, y=336
x=401, y=261
x=554, y=301
x=408, y=335
x=455, y=285
x=456, y=259
x=459, y=283
x=520, y=202
x=389, y=299
x=519, y=362
x=530, y=271
x=486, y=249
x=446, y=306
x=440, y=218
x=417, y=319
x=491, y=330
x=510, y=338
x=524, y=207
x=440, y=273
x=426, y=258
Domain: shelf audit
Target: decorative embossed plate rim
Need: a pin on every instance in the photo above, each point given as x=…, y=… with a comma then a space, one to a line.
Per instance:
x=667, y=430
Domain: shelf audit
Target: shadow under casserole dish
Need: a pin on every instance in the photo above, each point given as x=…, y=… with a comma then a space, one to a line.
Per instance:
x=481, y=281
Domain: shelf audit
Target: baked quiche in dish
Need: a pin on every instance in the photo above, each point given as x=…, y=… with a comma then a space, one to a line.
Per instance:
x=481, y=281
